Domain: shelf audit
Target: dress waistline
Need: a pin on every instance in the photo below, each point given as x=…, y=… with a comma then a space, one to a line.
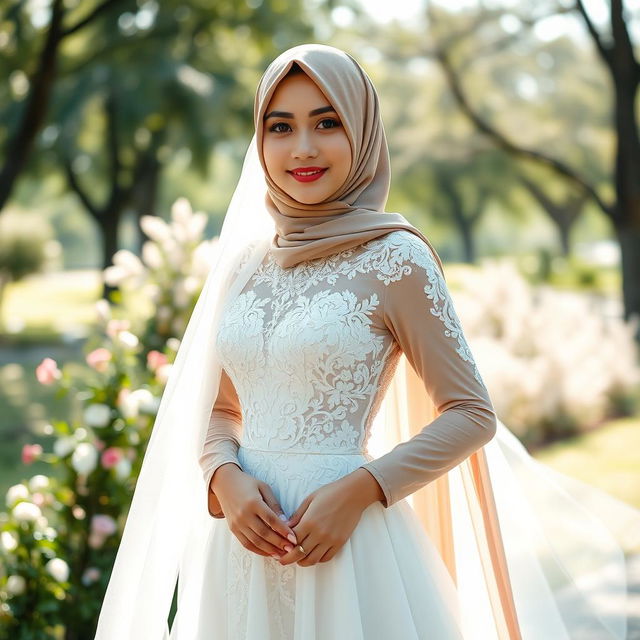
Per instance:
x=325, y=452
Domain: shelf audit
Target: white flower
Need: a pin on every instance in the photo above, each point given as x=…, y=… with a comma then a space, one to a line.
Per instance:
x=140, y=400
x=147, y=402
x=85, y=458
x=97, y=415
x=16, y=585
x=152, y=291
x=152, y=255
x=163, y=372
x=181, y=211
x=196, y=226
x=123, y=469
x=127, y=339
x=38, y=482
x=64, y=446
x=41, y=524
x=173, y=344
x=15, y=493
x=103, y=309
x=26, y=512
x=50, y=533
x=114, y=275
x=58, y=569
x=192, y=285
x=8, y=540
x=155, y=228
x=130, y=262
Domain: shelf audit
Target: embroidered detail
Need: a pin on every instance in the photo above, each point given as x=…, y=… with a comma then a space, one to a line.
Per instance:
x=311, y=359
x=306, y=363
x=406, y=251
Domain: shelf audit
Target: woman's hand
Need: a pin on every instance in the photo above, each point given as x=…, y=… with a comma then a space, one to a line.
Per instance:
x=252, y=511
x=326, y=518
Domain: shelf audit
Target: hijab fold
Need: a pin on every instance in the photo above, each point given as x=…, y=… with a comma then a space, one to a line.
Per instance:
x=355, y=213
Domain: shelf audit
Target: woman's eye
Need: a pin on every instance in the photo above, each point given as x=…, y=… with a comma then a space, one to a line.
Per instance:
x=333, y=123
x=275, y=126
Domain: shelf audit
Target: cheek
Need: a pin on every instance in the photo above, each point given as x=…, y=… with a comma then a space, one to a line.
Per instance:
x=272, y=155
x=342, y=151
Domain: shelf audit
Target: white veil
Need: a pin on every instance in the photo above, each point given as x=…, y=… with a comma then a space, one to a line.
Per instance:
x=535, y=555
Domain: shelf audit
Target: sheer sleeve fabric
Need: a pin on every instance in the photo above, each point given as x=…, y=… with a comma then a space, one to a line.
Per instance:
x=419, y=313
x=224, y=431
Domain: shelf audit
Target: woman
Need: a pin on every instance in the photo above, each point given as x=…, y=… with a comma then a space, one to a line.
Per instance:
x=295, y=358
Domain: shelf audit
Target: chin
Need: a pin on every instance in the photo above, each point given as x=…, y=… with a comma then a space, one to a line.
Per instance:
x=308, y=199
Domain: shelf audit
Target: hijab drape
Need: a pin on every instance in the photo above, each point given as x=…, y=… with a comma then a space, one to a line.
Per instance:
x=355, y=213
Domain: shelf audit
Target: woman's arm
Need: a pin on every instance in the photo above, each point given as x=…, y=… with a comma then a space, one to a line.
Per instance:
x=419, y=313
x=223, y=438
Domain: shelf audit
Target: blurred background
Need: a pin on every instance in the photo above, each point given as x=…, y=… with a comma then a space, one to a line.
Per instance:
x=514, y=139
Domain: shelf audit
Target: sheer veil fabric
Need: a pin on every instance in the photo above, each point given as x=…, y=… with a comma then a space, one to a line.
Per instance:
x=533, y=553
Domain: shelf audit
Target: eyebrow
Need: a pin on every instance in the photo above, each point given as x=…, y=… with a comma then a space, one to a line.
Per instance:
x=288, y=114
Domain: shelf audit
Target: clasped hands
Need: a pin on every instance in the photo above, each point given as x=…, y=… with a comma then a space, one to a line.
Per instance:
x=322, y=523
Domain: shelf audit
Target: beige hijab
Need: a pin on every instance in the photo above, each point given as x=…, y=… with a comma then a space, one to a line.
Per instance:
x=355, y=213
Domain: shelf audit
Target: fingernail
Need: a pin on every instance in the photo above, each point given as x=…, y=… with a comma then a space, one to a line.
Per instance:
x=291, y=537
x=287, y=547
x=283, y=517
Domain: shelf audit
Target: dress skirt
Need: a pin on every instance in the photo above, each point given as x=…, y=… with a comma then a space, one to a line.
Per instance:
x=387, y=581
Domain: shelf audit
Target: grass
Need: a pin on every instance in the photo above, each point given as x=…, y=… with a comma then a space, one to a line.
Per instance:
x=608, y=458
x=44, y=307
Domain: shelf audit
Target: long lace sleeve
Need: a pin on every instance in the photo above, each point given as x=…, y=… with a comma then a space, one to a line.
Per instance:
x=419, y=313
x=223, y=434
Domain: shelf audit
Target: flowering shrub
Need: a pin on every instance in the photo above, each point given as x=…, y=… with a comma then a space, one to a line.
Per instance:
x=175, y=262
x=60, y=533
x=553, y=362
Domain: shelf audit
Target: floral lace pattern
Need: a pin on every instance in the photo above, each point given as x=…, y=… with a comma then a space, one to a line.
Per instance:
x=306, y=351
x=310, y=358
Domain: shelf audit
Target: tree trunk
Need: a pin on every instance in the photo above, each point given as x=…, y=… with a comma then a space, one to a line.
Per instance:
x=468, y=240
x=629, y=238
x=109, y=226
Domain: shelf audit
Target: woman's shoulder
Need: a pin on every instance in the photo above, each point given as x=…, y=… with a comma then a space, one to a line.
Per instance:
x=402, y=245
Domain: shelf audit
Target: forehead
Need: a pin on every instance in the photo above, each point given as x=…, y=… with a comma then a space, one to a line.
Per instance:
x=298, y=88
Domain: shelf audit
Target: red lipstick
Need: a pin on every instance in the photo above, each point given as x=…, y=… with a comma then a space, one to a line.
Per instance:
x=312, y=173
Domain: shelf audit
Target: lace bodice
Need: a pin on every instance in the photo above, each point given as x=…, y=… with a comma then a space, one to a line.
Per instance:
x=308, y=352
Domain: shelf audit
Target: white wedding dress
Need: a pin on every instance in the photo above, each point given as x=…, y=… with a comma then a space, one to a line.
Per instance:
x=308, y=351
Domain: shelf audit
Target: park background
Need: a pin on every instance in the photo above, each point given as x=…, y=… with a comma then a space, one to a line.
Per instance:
x=514, y=141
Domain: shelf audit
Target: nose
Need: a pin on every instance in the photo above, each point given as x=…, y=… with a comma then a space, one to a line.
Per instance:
x=304, y=146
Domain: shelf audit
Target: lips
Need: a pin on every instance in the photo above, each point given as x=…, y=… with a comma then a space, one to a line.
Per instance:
x=308, y=174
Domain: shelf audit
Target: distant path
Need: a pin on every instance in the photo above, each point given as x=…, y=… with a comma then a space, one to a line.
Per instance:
x=60, y=352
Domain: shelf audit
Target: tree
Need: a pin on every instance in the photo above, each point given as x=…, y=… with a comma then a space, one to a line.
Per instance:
x=29, y=118
x=623, y=211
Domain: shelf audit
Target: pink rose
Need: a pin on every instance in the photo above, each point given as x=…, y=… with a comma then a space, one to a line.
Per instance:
x=95, y=540
x=30, y=453
x=103, y=525
x=156, y=359
x=111, y=456
x=115, y=326
x=99, y=359
x=47, y=371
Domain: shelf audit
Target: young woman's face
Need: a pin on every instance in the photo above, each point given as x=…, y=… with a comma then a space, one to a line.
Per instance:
x=304, y=134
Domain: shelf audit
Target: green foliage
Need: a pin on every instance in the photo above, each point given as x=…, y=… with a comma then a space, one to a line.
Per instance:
x=22, y=246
